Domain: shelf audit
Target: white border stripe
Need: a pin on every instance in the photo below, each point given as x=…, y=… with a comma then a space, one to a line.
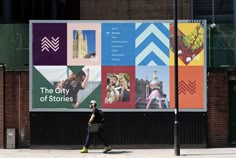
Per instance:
x=152, y=29
x=152, y=48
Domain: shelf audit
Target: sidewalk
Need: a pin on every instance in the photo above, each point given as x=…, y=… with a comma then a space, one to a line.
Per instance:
x=119, y=153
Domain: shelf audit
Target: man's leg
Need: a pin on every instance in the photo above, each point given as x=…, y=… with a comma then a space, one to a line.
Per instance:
x=87, y=141
x=100, y=136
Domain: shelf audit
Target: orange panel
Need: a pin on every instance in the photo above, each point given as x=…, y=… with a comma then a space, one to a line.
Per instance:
x=191, y=87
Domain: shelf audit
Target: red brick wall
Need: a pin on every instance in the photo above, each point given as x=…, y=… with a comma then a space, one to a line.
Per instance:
x=217, y=108
x=17, y=105
x=1, y=107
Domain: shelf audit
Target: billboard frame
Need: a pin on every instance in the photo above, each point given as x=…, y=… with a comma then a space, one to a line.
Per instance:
x=109, y=109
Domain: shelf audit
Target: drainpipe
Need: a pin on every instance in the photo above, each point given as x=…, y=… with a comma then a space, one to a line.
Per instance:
x=21, y=131
x=3, y=109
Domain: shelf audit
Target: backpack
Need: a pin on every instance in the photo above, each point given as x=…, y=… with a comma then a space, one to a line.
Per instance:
x=100, y=116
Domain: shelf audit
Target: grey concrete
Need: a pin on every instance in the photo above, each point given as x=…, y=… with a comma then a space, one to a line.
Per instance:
x=119, y=153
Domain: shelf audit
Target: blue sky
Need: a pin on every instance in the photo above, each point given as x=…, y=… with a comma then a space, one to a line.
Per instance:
x=146, y=72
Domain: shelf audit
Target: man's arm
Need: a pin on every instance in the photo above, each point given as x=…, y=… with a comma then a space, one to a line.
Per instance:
x=85, y=82
x=91, y=119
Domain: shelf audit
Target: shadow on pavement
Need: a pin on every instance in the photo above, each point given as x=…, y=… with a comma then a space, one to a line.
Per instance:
x=110, y=152
x=119, y=152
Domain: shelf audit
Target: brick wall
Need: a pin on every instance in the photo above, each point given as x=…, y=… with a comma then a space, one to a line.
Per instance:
x=17, y=105
x=135, y=9
x=1, y=107
x=217, y=108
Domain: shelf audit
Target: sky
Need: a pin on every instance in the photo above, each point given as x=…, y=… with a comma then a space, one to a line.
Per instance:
x=146, y=72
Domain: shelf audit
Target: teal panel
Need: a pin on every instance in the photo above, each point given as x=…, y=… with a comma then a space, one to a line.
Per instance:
x=14, y=52
x=221, y=46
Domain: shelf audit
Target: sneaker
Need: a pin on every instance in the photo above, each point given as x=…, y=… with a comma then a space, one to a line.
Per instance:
x=84, y=150
x=107, y=149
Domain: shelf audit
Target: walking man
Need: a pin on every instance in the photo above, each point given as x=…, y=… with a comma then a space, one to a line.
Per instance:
x=95, y=119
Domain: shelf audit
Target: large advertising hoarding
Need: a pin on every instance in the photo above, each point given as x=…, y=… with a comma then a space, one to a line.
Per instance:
x=123, y=65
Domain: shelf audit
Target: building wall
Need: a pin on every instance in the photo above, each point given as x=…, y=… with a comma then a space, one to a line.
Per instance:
x=217, y=102
x=133, y=9
x=82, y=45
x=17, y=105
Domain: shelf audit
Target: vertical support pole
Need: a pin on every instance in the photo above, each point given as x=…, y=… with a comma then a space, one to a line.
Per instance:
x=176, y=123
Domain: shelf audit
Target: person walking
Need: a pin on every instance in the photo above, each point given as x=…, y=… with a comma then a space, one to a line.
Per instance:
x=95, y=126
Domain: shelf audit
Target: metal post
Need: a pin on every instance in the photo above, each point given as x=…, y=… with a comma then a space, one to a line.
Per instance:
x=176, y=123
x=213, y=11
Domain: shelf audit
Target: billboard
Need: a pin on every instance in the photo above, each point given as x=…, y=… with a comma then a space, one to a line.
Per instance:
x=123, y=65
